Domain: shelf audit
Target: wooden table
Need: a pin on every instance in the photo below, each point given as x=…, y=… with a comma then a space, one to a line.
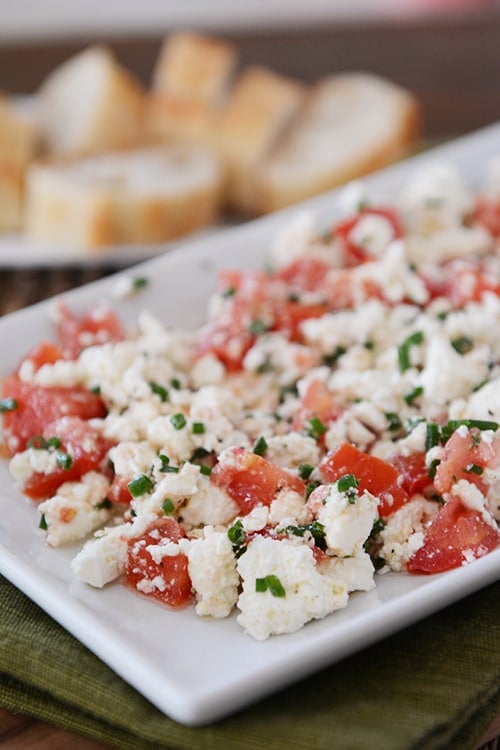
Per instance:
x=453, y=65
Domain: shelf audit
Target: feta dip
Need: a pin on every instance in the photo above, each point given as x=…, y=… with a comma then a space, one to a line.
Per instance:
x=335, y=417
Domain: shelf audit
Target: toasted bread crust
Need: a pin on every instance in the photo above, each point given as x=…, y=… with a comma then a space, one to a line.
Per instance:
x=148, y=195
x=351, y=124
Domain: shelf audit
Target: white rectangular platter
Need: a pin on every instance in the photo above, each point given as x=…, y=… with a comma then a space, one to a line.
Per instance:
x=206, y=669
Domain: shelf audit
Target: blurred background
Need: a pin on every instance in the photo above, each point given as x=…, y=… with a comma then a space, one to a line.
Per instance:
x=446, y=51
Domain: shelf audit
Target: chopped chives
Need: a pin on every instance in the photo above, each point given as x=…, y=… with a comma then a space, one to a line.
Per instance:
x=347, y=482
x=139, y=485
x=205, y=470
x=198, y=428
x=305, y=471
x=139, y=282
x=167, y=506
x=176, y=383
x=393, y=421
x=159, y=390
x=178, y=421
x=270, y=583
x=463, y=344
x=64, y=460
x=236, y=533
x=432, y=435
x=43, y=523
x=474, y=469
x=411, y=397
x=257, y=327
x=260, y=446
x=404, y=350
x=106, y=504
x=8, y=404
x=316, y=428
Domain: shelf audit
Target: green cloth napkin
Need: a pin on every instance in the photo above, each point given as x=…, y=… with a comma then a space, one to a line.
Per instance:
x=433, y=685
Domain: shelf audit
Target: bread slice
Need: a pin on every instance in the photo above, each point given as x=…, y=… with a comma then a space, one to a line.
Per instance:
x=90, y=104
x=260, y=107
x=18, y=145
x=351, y=124
x=194, y=67
x=141, y=196
x=190, y=81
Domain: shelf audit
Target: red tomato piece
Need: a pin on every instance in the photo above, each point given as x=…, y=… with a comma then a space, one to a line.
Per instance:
x=231, y=333
x=318, y=402
x=455, y=532
x=414, y=472
x=462, y=453
x=488, y=214
x=172, y=584
x=38, y=406
x=374, y=475
x=97, y=326
x=356, y=253
x=44, y=353
x=463, y=282
x=251, y=480
x=289, y=315
x=87, y=448
x=119, y=491
x=304, y=274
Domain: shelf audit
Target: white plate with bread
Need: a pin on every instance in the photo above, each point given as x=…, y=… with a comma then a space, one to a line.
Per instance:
x=101, y=169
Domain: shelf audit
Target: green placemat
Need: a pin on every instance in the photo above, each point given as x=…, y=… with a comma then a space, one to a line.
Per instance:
x=433, y=685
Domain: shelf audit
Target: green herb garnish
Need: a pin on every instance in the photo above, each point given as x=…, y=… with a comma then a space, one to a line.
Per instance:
x=315, y=428
x=43, y=522
x=159, y=390
x=139, y=485
x=270, y=583
x=167, y=506
x=305, y=471
x=347, y=482
x=462, y=344
x=404, y=350
x=260, y=446
x=8, y=404
x=411, y=397
x=178, y=421
x=64, y=460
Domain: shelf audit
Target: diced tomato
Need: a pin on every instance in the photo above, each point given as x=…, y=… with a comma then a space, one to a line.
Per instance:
x=172, y=584
x=414, y=472
x=462, y=282
x=44, y=353
x=455, y=533
x=119, y=491
x=374, y=475
x=87, y=449
x=304, y=274
x=251, y=480
x=354, y=252
x=231, y=333
x=465, y=456
x=289, y=315
x=97, y=326
x=318, y=402
x=488, y=214
x=38, y=406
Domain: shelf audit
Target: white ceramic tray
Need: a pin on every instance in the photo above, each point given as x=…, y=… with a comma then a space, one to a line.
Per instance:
x=206, y=669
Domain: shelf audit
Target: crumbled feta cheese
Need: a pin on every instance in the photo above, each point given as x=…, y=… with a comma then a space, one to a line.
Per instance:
x=212, y=569
x=307, y=595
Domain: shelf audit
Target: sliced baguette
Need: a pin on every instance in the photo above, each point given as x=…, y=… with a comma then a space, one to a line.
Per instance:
x=260, y=107
x=351, y=124
x=90, y=104
x=142, y=196
x=18, y=145
x=190, y=81
x=194, y=67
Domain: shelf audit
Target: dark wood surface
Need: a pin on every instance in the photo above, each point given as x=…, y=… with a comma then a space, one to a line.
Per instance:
x=453, y=65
